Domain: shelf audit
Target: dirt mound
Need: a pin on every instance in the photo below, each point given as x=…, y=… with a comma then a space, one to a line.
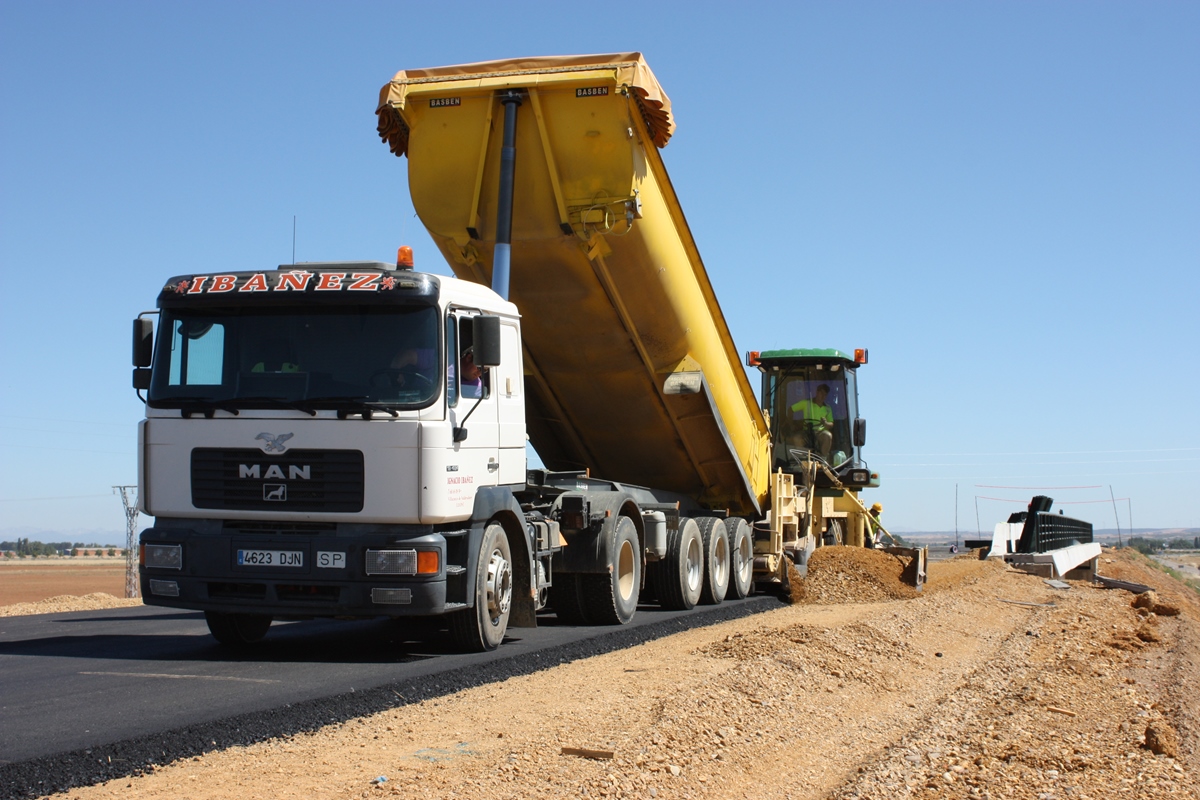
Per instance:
x=855, y=575
x=67, y=602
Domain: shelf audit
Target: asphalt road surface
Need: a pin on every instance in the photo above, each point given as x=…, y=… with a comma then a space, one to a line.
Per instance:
x=101, y=693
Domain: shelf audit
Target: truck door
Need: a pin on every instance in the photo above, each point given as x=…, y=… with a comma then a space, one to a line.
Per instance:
x=469, y=388
x=508, y=386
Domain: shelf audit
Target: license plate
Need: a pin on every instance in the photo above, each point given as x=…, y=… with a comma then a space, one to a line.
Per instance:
x=270, y=558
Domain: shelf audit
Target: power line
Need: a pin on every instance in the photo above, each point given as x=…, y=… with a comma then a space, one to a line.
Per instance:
x=1016, y=477
x=38, y=499
x=896, y=465
x=88, y=422
x=129, y=435
x=69, y=449
x=1057, y=452
x=1059, y=502
x=1037, y=488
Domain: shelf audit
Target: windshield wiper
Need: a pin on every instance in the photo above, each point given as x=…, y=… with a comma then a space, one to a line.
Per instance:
x=203, y=405
x=354, y=405
x=294, y=405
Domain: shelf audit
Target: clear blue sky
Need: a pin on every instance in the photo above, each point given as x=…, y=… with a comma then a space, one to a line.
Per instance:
x=1000, y=200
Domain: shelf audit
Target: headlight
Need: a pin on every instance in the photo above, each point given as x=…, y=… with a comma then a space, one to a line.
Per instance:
x=402, y=562
x=391, y=562
x=162, y=556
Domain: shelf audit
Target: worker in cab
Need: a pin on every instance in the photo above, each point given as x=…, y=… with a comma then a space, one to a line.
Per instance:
x=816, y=419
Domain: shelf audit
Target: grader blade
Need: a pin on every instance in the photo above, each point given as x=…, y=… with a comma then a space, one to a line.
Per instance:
x=914, y=574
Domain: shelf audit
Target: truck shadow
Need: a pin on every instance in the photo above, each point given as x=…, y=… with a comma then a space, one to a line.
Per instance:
x=310, y=641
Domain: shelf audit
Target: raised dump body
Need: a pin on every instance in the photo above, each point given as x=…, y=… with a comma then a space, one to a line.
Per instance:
x=630, y=370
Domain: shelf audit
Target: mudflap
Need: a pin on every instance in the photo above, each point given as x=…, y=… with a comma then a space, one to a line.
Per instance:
x=914, y=574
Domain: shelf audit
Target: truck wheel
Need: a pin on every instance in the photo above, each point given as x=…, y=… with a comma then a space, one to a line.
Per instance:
x=679, y=577
x=611, y=598
x=566, y=599
x=715, y=539
x=237, y=630
x=741, y=558
x=482, y=628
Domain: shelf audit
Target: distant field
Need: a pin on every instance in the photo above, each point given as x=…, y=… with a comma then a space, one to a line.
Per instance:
x=31, y=580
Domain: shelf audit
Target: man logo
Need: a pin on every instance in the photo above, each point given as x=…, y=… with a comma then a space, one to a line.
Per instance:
x=296, y=472
x=272, y=443
x=275, y=492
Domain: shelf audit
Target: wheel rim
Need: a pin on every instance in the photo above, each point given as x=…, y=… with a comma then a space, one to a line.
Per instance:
x=694, y=564
x=499, y=586
x=626, y=570
x=743, y=559
x=721, y=553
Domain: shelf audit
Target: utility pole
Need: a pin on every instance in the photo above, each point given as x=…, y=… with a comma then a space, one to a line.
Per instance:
x=1113, y=497
x=956, y=515
x=129, y=501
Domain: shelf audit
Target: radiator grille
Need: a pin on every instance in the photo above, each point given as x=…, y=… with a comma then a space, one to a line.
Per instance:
x=299, y=480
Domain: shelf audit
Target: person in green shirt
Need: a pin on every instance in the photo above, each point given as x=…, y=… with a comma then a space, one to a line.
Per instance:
x=816, y=420
x=873, y=524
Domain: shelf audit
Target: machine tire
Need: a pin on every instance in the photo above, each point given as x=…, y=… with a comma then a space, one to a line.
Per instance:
x=482, y=628
x=237, y=630
x=611, y=598
x=715, y=539
x=741, y=558
x=679, y=577
x=837, y=528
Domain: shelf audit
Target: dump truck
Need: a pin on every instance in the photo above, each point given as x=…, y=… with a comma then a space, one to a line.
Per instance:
x=348, y=439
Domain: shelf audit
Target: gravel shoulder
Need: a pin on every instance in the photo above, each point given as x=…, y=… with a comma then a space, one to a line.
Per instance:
x=951, y=693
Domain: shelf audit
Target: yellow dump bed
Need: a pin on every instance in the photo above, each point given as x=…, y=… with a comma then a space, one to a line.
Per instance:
x=630, y=368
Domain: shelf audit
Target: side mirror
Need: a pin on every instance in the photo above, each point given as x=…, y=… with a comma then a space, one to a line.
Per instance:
x=143, y=342
x=141, y=378
x=485, y=339
x=860, y=432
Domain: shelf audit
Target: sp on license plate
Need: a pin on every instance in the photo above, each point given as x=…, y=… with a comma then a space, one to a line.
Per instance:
x=270, y=558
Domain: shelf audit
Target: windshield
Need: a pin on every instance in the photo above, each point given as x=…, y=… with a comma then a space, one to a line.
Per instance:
x=318, y=358
x=812, y=413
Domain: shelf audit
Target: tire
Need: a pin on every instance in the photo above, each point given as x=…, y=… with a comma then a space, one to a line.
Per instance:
x=611, y=598
x=741, y=559
x=237, y=630
x=837, y=529
x=482, y=628
x=679, y=577
x=567, y=599
x=785, y=581
x=715, y=539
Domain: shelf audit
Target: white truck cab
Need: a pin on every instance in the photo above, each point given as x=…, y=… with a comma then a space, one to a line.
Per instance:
x=321, y=438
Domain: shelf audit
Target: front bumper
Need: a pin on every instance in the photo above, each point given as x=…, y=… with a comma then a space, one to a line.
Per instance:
x=209, y=577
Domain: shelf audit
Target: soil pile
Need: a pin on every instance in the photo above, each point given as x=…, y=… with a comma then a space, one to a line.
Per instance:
x=855, y=575
x=67, y=602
